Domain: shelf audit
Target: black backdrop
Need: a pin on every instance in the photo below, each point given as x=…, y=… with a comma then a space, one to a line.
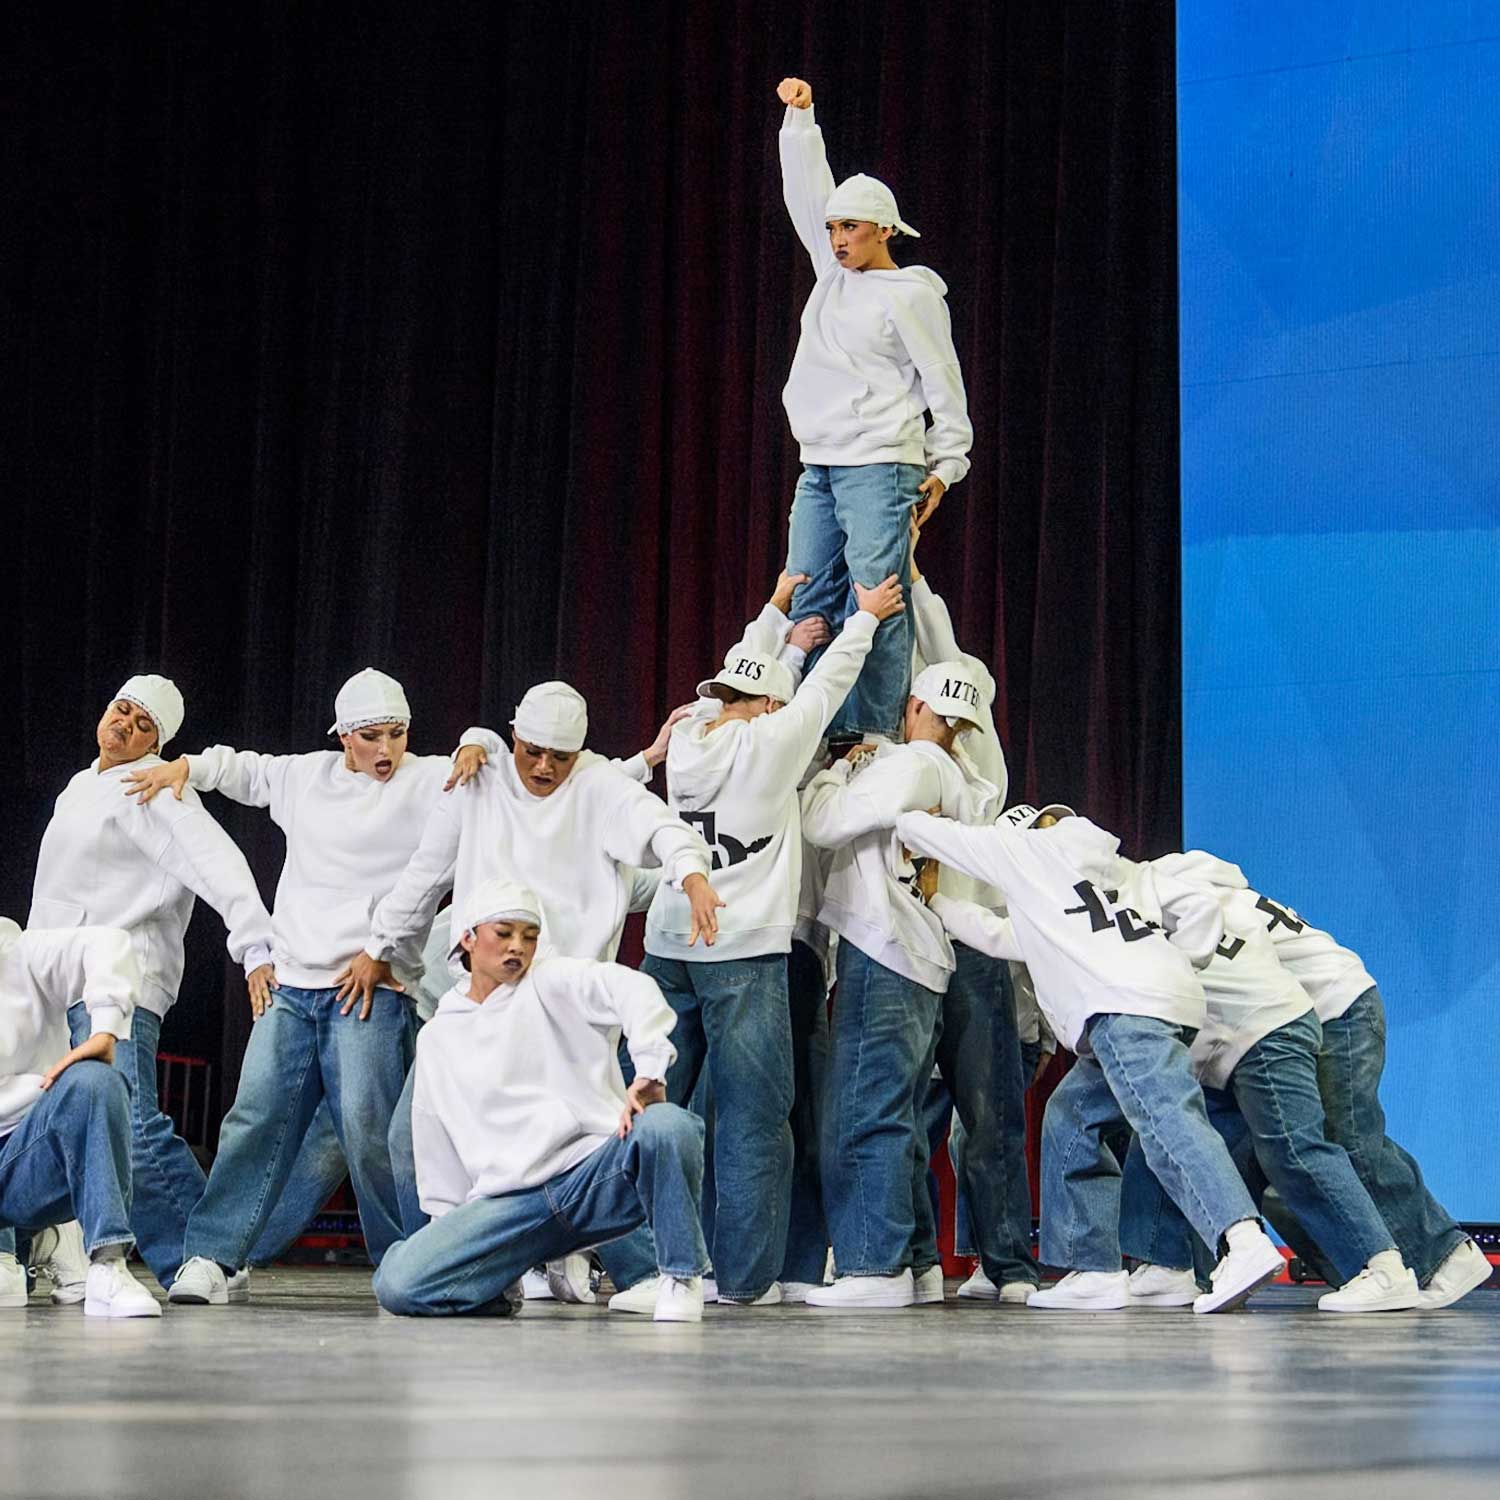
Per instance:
x=449, y=338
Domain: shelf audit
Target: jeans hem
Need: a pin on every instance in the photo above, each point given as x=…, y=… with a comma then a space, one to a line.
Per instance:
x=104, y=1244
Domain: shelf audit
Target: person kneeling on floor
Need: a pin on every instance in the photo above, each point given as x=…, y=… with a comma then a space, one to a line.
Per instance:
x=528, y=1146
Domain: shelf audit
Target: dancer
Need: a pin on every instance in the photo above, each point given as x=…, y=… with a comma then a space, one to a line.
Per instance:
x=528, y=1145
x=1118, y=986
x=894, y=962
x=352, y=818
x=65, y=1120
x=875, y=352
x=107, y=861
x=734, y=773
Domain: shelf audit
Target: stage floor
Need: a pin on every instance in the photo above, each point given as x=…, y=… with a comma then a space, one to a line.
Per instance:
x=309, y=1392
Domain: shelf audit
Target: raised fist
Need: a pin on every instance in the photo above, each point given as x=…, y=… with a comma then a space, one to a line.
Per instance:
x=794, y=91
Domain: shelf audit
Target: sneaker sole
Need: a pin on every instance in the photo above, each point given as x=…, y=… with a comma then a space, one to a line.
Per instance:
x=69, y=1298
x=102, y=1310
x=964, y=1296
x=857, y=1306
x=1229, y=1304
x=1093, y=1304
x=193, y=1299
x=674, y=1318
x=14, y=1299
x=1397, y=1304
x=1165, y=1299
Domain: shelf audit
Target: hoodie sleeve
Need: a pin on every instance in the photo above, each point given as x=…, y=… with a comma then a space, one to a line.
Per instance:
x=443, y=1182
x=641, y=829
x=635, y=767
x=244, y=776
x=981, y=853
x=96, y=965
x=182, y=839
x=643, y=888
x=798, y=727
x=975, y=927
x=806, y=183
x=407, y=910
x=926, y=330
x=834, y=813
x=491, y=743
x=1192, y=918
x=612, y=995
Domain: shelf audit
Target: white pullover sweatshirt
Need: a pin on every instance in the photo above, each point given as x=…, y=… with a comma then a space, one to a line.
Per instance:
x=574, y=849
x=871, y=898
x=876, y=350
x=348, y=838
x=1087, y=954
x=42, y=973
x=737, y=785
x=107, y=861
x=513, y=1091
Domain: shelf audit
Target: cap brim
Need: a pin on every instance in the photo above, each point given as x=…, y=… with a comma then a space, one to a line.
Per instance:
x=907, y=230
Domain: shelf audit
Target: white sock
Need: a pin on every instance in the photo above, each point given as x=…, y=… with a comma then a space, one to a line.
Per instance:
x=1244, y=1234
x=1388, y=1263
x=107, y=1252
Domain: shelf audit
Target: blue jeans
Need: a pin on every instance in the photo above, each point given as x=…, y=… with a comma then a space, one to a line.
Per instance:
x=1139, y=1075
x=850, y=522
x=1015, y=1141
x=807, y=1230
x=874, y=1152
x=733, y=1019
x=317, y=1174
x=301, y=1051
x=69, y=1158
x=464, y=1261
x=979, y=1056
x=166, y=1180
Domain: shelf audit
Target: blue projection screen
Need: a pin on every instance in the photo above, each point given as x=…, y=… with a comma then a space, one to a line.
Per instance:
x=1340, y=303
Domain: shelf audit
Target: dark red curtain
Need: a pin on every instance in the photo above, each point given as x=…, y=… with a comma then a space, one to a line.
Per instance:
x=450, y=338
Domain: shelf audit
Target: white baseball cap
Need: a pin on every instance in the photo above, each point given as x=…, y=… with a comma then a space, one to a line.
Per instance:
x=1024, y=815
x=949, y=688
x=869, y=200
x=160, y=698
x=369, y=697
x=495, y=900
x=553, y=715
x=753, y=674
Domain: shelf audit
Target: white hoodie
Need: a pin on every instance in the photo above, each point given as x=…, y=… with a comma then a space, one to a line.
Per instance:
x=877, y=346
x=107, y=861
x=1087, y=955
x=737, y=785
x=523, y=1086
x=574, y=849
x=42, y=973
x=348, y=838
x=871, y=898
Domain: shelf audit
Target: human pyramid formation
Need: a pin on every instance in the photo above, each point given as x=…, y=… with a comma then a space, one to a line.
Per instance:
x=834, y=822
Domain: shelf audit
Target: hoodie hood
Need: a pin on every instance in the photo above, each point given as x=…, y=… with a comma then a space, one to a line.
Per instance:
x=905, y=278
x=1088, y=848
x=1200, y=868
x=699, y=763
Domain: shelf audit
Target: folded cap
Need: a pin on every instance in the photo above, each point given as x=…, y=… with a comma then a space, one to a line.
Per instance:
x=869, y=200
x=751, y=673
x=495, y=900
x=160, y=698
x=1024, y=815
x=949, y=688
x=369, y=697
x=552, y=715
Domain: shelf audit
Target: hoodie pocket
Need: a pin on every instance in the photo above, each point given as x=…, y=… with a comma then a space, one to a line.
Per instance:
x=46, y=912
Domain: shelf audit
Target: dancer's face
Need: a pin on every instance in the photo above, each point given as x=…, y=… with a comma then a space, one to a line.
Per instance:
x=501, y=952
x=856, y=242
x=541, y=769
x=125, y=733
x=375, y=749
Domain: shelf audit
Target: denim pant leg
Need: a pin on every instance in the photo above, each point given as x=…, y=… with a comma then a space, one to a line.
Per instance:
x=317, y=1174
x=882, y=1026
x=1350, y=1065
x=1080, y=1173
x=166, y=1180
x=280, y=1090
x=69, y=1158
x=1145, y=1062
x=1275, y=1085
x=926, y=1201
x=364, y=1066
x=807, y=1232
x=979, y=1052
x=815, y=547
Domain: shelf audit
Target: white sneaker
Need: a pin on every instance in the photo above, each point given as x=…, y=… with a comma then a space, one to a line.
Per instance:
x=568, y=1279
x=1464, y=1269
x=1161, y=1286
x=795, y=1292
x=59, y=1255
x=1088, y=1291
x=1252, y=1261
x=112, y=1292
x=980, y=1288
x=1375, y=1289
x=928, y=1287
x=866, y=1291
x=535, y=1287
x=679, y=1300
x=640, y=1298
x=238, y=1285
x=710, y=1289
x=13, y=1291
x=199, y=1283
x=1017, y=1293
x=771, y=1297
